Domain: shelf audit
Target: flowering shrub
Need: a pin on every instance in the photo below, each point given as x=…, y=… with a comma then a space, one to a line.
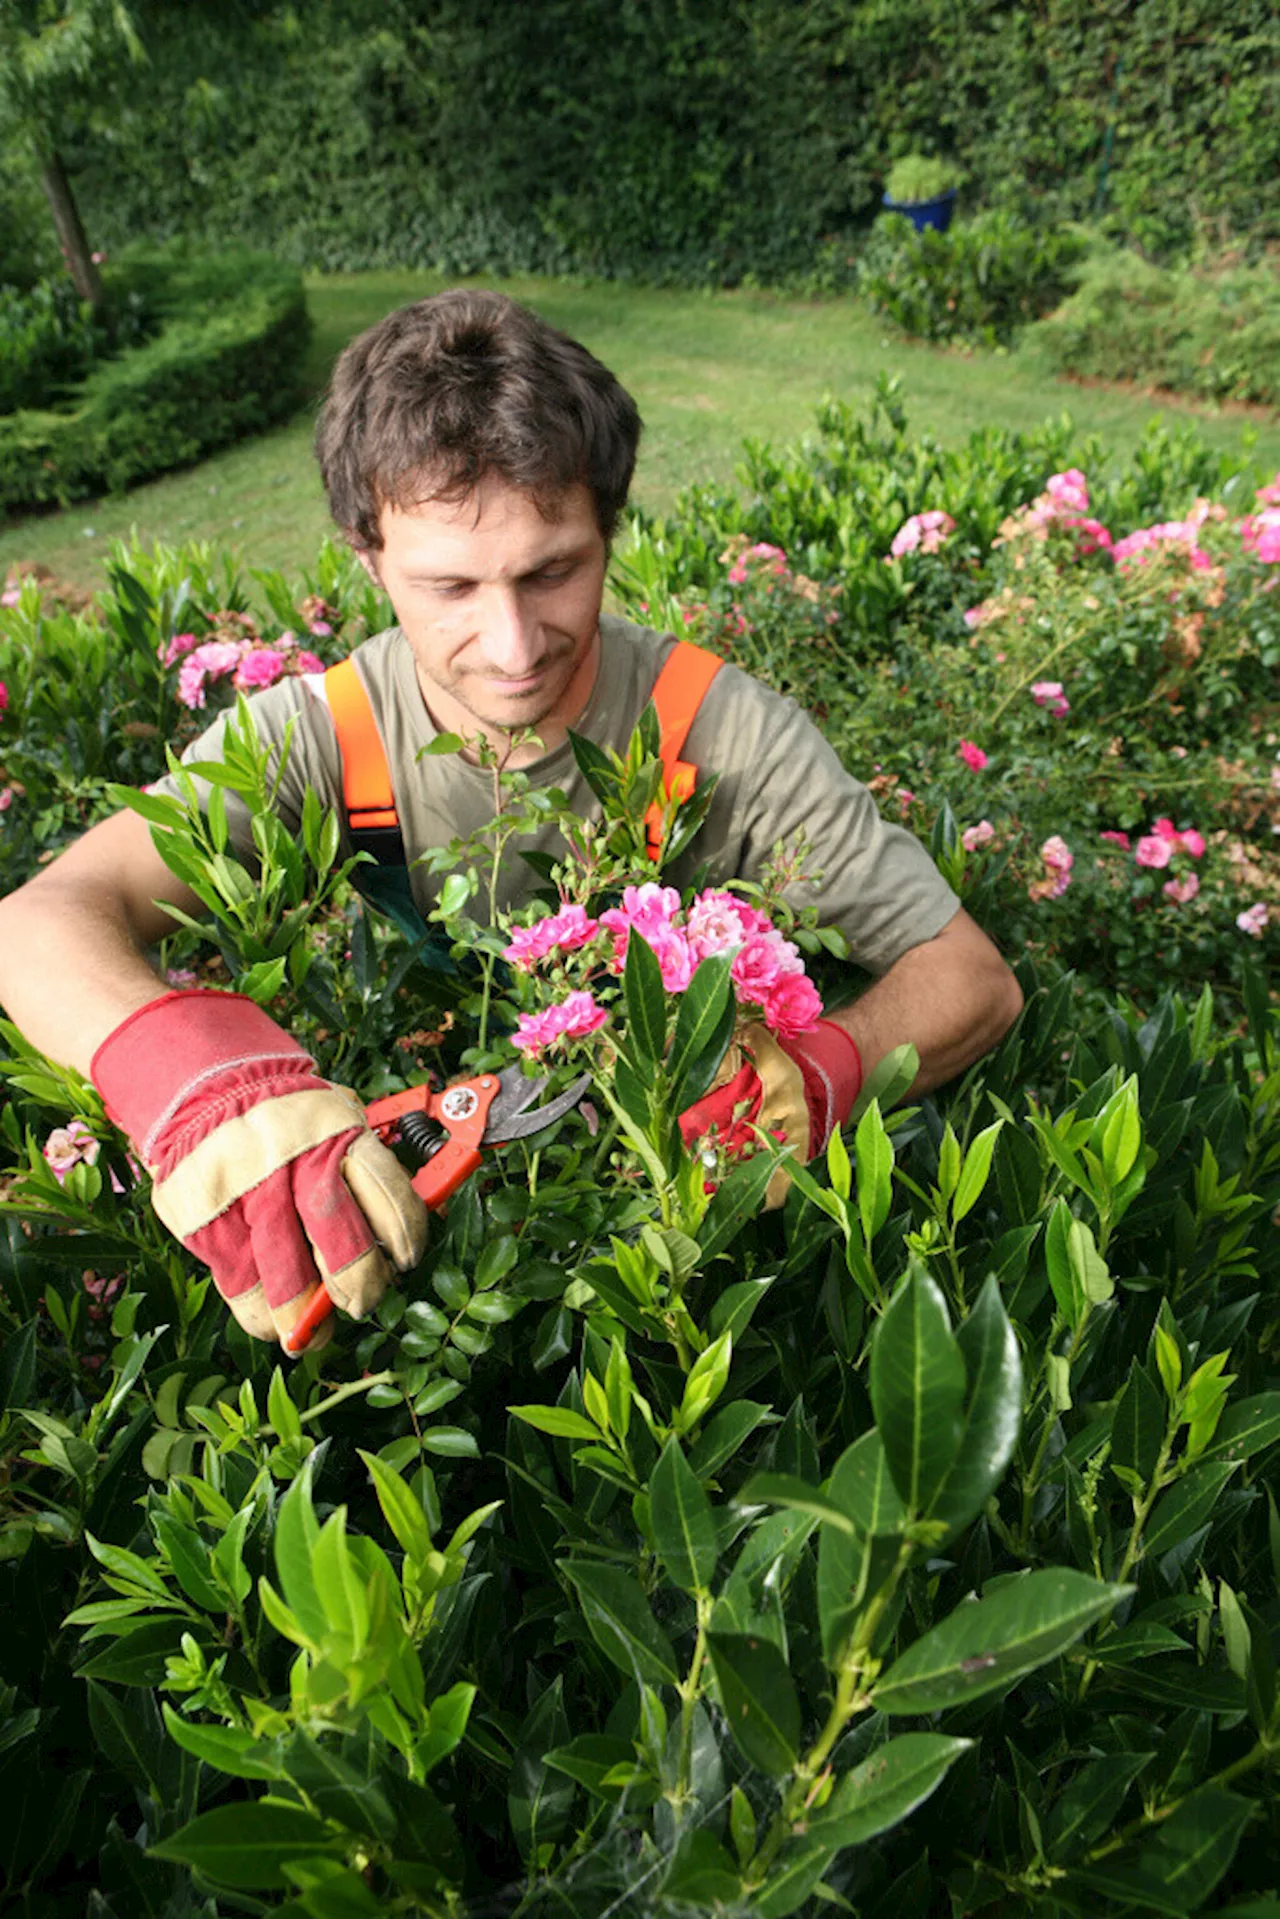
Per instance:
x=644, y=1552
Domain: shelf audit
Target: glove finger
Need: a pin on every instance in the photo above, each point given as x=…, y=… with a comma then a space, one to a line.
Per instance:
x=359, y=1286
x=385, y=1195
x=717, y=1108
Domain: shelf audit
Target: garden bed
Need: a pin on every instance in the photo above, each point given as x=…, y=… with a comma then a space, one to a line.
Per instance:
x=648, y=1552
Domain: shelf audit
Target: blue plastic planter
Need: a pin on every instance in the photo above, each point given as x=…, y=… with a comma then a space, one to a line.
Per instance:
x=926, y=213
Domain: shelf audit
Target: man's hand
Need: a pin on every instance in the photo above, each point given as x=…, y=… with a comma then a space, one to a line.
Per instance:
x=263, y=1169
x=799, y=1089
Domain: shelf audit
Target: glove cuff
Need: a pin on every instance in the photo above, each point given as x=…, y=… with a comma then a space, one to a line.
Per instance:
x=831, y=1067
x=174, y=1047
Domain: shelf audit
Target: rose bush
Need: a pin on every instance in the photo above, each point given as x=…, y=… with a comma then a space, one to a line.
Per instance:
x=647, y=1552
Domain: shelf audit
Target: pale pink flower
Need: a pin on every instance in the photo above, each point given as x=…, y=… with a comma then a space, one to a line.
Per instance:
x=1069, y=489
x=1260, y=535
x=1269, y=495
x=1253, y=920
x=906, y=800
x=191, y=684
x=1057, y=855
x=573, y=1017
x=976, y=836
x=677, y=961
x=1139, y=546
x=1116, y=838
x=1180, y=891
x=218, y=657
x=321, y=629
x=761, y=963
x=1049, y=693
x=182, y=978
x=1153, y=850
x=6, y=798
x=922, y=533
x=307, y=662
x=561, y=932
x=68, y=1146
x=973, y=756
x=978, y=615
x=1189, y=842
x=719, y=921
x=792, y=1005
x=260, y=667
x=10, y=596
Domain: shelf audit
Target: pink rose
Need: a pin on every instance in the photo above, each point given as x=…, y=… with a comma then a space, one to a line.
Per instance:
x=10, y=596
x=922, y=533
x=4, y=696
x=1269, y=495
x=792, y=1005
x=1153, y=850
x=179, y=645
x=1253, y=920
x=1049, y=693
x=562, y=932
x=261, y=667
x=1116, y=838
x=1057, y=855
x=719, y=921
x=648, y=909
x=68, y=1146
x=191, y=684
x=305, y=662
x=1069, y=489
x=976, y=836
x=574, y=1017
x=761, y=963
x=973, y=756
x=6, y=798
x=676, y=959
x=1192, y=843
x=1180, y=891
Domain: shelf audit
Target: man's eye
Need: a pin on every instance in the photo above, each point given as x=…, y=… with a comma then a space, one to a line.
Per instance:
x=552, y=575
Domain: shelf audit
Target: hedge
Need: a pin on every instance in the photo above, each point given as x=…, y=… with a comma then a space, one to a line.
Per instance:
x=227, y=362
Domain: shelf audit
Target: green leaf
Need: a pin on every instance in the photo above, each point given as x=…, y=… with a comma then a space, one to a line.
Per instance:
x=862, y=1486
x=560, y=1421
x=684, y=1528
x=793, y=1878
x=759, y=1699
x=737, y=1199
x=917, y=1389
x=248, y=1844
x=992, y=1412
x=977, y=1167
x=187, y=1553
x=701, y=1872
x=621, y=1623
x=226, y=1748
x=873, y=1154
x=646, y=999
x=401, y=1508
x=886, y=1788
x=704, y=1027
x=784, y=1489
x=733, y=1309
x=1138, y=1425
x=281, y=1411
x=1246, y=1427
x=1067, y=1290
x=590, y=1758
x=1090, y=1803
x=1185, y=1507
x=296, y=1535
x=1177, y=1869
x=987, y=1644
x=707, y=1378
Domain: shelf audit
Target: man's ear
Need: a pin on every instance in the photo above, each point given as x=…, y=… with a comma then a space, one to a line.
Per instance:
x=369, y=561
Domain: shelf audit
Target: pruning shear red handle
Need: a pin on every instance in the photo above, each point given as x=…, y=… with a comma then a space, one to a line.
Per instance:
x=486, y=1110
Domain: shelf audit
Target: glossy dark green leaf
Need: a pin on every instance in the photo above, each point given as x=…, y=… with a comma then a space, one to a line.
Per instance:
x=724, y=1434
x=792, y=1879
x=226, y=1748
x=590, y=1758
x=1177, y=1869
x=1138, y=1425
x=886, y=1788
x=917, y=1389
x=1246, y=1427
x=704, y=1027
x=737, y=1199
x=296, y=1536
x=759, y=1699
x=735, y=1306
x=782, y=1489
x=129, y=1733
x=139, y=1658
x=539, y=1796
x=1185, y=1507
x=684, y=1529
x=248, y=1844
x=646, y=1000
x=701, y=1872
x=862, y=1486
x=618, y=1616
x=987, y=1644
x=992, y=1412
x=1089, y=1804
x=595, y=766
x=339, y=1790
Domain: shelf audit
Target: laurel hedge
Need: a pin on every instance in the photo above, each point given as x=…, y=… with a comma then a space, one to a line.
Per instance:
x=226, y=362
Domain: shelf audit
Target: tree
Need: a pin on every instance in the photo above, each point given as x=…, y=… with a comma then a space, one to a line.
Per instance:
x=50, y=51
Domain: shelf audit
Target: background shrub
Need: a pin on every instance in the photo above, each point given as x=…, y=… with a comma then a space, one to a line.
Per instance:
x=49, y=338
x=227, y=361
x=980, y=280
x=1212, y=333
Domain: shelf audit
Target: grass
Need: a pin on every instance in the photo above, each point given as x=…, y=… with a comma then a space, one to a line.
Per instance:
x=707, y=369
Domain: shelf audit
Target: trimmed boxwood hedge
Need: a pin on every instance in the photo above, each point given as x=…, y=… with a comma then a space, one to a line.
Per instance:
x=226, y=363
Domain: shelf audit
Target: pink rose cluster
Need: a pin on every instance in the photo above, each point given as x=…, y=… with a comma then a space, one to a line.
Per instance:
x=759, y=558
x=973, y=756
x=1064, y=507
x=975, y=836
x=922, y=533
x=69, y=1146
x=249, y=663
x=1137, y=547
x=1260, y=532
x=1254, y=920
x=766, y=970
x=1049, y=693
x=1156, y=849
x=1058, y=861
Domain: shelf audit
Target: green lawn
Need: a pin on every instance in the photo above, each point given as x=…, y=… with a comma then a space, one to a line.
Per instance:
x=706, y=368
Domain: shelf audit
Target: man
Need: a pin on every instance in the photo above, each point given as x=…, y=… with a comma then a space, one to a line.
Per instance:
x=478, y=461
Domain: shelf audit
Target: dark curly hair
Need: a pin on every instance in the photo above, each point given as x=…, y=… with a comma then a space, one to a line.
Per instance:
x=445, y=392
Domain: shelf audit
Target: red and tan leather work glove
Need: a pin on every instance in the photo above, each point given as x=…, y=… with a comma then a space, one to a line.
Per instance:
x=800, y=1088
x=261, y=1168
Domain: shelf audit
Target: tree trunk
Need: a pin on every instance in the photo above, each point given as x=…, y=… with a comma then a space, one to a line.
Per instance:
x=66, y=217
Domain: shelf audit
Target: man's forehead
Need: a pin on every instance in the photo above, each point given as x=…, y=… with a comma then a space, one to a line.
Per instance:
x=492, y=516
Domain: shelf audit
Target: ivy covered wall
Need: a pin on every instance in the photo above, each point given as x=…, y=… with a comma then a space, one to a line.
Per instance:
x=698, y=140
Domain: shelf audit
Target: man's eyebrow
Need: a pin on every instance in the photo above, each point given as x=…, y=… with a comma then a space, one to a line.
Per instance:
x=419, y=577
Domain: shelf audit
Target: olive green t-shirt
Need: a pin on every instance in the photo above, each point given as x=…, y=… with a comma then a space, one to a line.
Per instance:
x=778, y=776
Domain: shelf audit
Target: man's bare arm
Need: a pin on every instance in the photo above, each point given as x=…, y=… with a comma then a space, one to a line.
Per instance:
x=72, y=939
x=953, y=998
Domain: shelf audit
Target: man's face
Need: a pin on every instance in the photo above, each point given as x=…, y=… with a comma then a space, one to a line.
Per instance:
x=500, y=605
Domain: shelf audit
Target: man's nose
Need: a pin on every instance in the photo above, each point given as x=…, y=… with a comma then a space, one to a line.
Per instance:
x=512, y=641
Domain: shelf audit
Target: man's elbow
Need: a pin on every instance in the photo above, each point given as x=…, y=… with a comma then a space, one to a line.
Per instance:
x=1005, y=1003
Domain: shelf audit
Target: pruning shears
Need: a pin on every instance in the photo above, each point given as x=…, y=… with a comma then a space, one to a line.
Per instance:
x=450, y=1131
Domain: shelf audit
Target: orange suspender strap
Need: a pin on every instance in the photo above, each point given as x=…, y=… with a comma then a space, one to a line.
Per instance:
x=678, y=693
x=366, y=782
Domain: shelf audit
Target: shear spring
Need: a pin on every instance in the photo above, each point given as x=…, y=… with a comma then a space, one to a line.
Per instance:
x=422, y=1134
